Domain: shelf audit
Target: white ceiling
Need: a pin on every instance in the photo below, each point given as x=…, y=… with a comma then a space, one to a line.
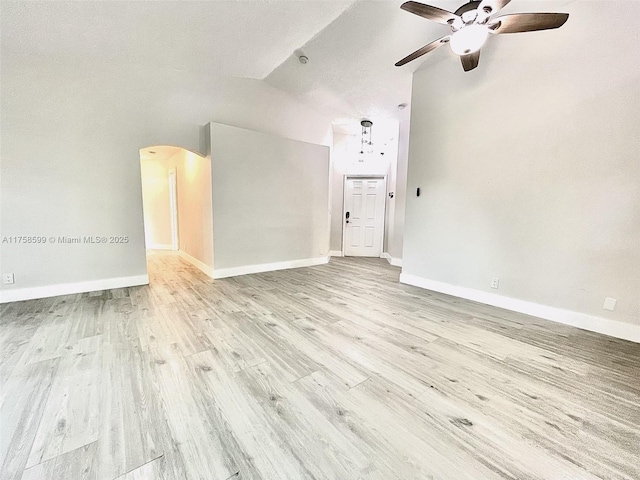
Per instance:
x=352, y=45
x=351, y=71
x=231, y=38
x=159, y=152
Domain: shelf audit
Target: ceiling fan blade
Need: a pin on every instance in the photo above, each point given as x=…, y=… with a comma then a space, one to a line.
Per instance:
x=469, y=62
x=432, y=13
x=421, y=51
x=527, y=22
x=492, y=6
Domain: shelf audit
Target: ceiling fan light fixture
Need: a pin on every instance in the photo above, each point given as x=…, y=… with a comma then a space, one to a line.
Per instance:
x=469, y=39
x=472, y=23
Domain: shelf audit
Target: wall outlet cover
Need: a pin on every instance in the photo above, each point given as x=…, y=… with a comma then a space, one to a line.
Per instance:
x=609, y=304
x=8, y=279
x=495, y=282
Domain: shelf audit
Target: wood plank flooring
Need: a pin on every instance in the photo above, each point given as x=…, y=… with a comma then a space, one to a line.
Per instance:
x=329, y=372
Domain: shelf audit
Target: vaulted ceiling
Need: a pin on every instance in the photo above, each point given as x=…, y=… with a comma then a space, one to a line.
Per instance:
x=352, y=45
x=230, y=38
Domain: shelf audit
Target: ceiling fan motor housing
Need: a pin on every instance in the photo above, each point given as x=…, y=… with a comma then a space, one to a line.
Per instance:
x=472, y=23
x=467, y=7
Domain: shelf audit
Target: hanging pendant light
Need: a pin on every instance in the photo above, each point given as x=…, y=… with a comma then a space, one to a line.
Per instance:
x=366, y=144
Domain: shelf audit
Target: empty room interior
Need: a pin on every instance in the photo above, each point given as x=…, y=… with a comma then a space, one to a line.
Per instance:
x=320, y=239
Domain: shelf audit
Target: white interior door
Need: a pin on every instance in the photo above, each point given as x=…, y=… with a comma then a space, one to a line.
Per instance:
x=364, y=200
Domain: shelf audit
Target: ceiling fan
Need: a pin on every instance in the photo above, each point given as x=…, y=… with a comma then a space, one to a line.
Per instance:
x=472, y=23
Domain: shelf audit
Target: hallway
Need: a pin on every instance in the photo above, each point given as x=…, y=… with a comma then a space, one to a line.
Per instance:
x=328, y=372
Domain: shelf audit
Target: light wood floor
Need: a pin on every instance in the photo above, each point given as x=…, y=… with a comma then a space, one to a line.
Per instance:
x=330, y=372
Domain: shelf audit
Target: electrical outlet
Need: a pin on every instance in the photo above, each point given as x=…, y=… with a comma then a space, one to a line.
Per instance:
x=609, y=304
x=495, y=282
x=7, y=279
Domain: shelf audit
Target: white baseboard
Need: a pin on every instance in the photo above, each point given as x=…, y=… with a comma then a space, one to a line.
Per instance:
x=396, y=262
x=19, y=294
x=592, y=323
x=335, y=253
x=268, y=267
x=203, y=267
x=159, y=246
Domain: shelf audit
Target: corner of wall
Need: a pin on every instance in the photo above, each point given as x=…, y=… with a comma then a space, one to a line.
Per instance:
x=204, y=268
x=205, y=140
x=396, y=262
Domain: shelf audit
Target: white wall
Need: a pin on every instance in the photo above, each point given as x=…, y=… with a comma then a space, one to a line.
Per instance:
x=394, y=248
x=71, y=136
x=531, y=173
x=392, y=205
x=342, y=153
x=195, y=211
x=156, y=203
x=193, y=199
x=344, y=161
x=270, y=199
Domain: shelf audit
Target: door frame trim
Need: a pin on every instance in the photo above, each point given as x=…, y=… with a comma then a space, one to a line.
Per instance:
x=344, y=206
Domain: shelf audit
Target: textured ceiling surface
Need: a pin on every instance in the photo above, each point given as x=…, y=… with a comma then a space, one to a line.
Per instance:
x=230, y=38
x=352, y=45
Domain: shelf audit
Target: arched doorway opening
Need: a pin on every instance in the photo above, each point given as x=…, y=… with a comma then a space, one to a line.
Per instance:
x=177, y=208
